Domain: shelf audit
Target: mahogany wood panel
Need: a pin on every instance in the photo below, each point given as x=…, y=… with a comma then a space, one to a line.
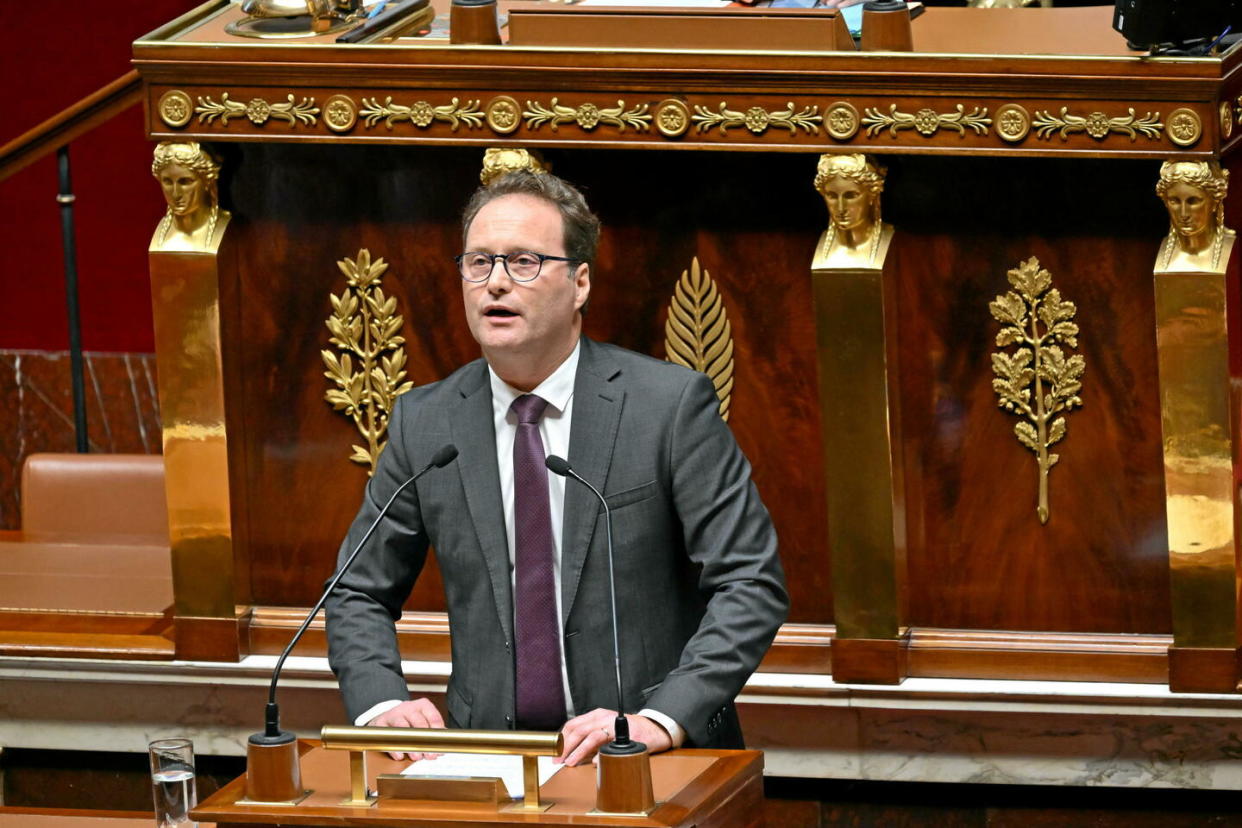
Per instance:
x=1204, y=669
x=210, y=639
x=807, y=648
x=978, y=556
x=870, y=660
x=298, y=209
x=87, y=645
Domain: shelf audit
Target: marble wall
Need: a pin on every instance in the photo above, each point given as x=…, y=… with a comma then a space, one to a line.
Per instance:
x=36, y=411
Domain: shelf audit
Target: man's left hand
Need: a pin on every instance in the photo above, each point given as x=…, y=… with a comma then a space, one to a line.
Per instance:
x=586, y=734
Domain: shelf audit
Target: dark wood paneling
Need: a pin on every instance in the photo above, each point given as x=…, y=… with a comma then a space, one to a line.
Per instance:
x=978, y=556
x=300, y=209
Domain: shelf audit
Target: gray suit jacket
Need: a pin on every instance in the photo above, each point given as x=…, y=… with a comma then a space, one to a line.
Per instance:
x=700, y=590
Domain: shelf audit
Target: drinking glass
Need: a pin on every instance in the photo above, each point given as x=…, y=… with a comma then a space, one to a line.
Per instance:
x=172, y=782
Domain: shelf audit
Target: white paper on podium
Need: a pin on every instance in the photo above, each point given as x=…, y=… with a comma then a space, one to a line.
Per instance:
x=506, y=768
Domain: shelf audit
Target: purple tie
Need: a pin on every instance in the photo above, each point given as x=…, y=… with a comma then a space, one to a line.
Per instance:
x=540, y=694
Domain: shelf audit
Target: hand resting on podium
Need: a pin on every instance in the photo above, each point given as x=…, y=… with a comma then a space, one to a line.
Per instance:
x=412, y=713
x=584, y=735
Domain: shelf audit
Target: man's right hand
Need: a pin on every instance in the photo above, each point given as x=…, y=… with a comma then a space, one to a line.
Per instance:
x=413, y=713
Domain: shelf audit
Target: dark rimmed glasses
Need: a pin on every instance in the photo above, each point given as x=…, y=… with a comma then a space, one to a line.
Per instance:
x=523, y=266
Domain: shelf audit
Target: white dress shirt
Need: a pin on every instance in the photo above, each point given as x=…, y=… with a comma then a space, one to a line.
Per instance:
x=558, y=391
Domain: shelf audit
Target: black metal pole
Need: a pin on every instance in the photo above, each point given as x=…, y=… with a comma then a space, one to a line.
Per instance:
x=69, y=240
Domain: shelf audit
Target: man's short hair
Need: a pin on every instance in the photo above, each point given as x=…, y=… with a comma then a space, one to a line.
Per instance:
x=579, y=224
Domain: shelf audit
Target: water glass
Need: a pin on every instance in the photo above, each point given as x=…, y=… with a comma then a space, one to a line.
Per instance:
x=172, y=782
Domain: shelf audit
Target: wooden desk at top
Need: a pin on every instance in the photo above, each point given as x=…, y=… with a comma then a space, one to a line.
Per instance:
x=704, y=788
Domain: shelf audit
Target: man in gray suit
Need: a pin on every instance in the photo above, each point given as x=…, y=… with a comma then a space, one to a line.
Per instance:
x=523, y=553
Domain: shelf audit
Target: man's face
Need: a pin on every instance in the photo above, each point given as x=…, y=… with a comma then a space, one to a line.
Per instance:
x=183, y=190
x=848, y=203
x=1190, y=208
x=538, y=318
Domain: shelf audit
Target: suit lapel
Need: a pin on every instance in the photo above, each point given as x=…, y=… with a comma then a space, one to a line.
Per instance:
x=474, y=432
x=593, y=431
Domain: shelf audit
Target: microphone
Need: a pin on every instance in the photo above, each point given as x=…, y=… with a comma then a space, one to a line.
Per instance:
x=621, y=743
x=272, y=735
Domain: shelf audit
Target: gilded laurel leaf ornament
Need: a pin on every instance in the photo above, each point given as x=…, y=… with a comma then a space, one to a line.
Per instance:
x=257, y=110
x=926, y=121
x=421, y=113
x=365, y=327
x=757, y=119
x=1037, y=381
x=1096, y=124
x=587, y=116
x=697, y=333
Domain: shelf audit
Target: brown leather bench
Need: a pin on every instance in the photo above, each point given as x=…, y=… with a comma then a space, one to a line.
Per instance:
x=94, y=537
x=95, y=496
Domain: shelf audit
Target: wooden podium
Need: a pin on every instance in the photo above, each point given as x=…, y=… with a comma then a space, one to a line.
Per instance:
x=705, y=788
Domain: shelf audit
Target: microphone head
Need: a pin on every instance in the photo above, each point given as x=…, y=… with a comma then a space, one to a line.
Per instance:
x=558, y=465
x=446, y=454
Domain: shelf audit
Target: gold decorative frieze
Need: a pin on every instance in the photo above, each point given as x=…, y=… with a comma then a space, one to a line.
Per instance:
x=1038, y=382
x=1097, y=124
x=842, y=121
x=422, y=114
x=697, y=333
x=1185, y=127
x=340, y=113
x=504, y=115
x=175, y=108
x=926, y=121
x=1226, y=120
x=672, y=118
x=257, y=110
x=757, y=119
x=587, y=115
x=1013, y=122
x=365, y=325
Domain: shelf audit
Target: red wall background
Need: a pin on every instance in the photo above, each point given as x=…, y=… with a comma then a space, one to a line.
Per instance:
x=53, y=54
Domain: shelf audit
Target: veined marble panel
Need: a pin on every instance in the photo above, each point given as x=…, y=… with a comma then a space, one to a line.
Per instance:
x=36, y=411
x=925, y=730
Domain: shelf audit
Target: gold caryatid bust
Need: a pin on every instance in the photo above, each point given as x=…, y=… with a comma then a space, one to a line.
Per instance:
x=856, y=237
x=1194, y=194
x=187, y=174
x=500, y=160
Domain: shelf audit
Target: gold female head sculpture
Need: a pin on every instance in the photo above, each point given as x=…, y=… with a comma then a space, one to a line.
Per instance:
x=1194, y=194
x=187, y=173
x=851, y=186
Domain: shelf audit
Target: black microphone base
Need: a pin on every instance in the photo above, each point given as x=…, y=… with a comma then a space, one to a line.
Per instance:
x=273, y=769
x=624, y=780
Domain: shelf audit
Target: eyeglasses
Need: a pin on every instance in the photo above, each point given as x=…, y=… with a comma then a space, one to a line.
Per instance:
x=523, y=266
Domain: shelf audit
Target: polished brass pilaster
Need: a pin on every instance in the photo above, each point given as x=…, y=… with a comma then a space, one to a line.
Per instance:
x=1198, y=432
x=855, y=334
x=1197, y=418
x=186, y=302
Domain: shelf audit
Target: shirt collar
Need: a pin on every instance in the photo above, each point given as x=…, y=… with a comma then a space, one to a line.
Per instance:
x=557, y=389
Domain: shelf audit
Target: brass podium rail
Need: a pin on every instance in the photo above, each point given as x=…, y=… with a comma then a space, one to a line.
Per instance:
x=528, y=744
